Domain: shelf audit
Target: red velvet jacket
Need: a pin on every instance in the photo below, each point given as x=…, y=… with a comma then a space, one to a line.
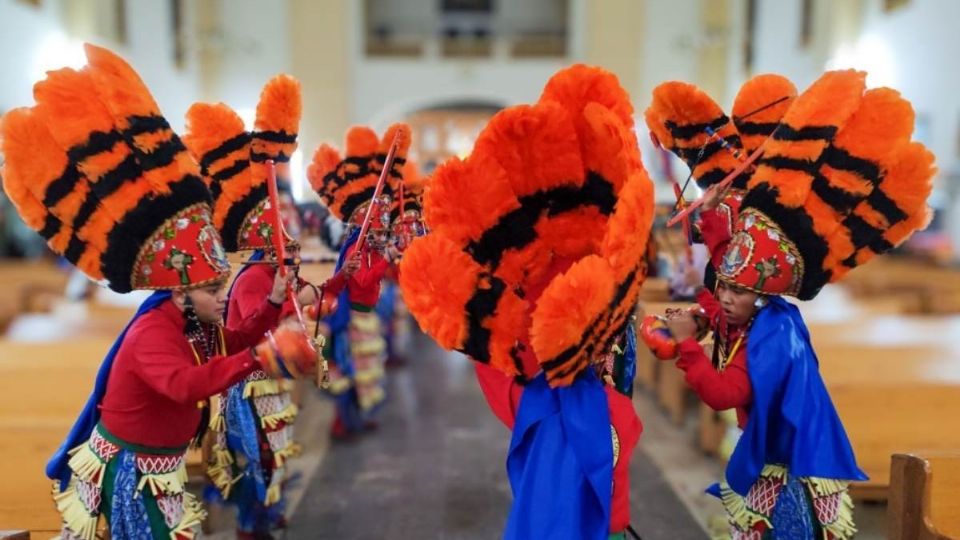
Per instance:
x=248, y=292
x=720, y=390
x=731, y=388
x=716, y=234
x=363, y=286
x=155, y=382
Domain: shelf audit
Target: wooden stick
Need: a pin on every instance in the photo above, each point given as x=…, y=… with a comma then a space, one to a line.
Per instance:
x=387, y=165
x=722, y=185
x=279, y=246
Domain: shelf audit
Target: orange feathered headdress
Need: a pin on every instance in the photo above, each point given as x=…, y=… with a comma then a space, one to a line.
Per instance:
x=413, y=186
x=685, y=120
x=681, y=118
x=406, y=210
x=346, y=183
x=839, y=182
x=218, y=140
x=95, y=168
x=537, y=238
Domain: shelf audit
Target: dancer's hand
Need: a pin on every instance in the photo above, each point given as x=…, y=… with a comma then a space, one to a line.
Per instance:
x=280, y=284
x=713, y=196
x=656, y=335
x=352, y=264
x=682, y=325
x=306, y=296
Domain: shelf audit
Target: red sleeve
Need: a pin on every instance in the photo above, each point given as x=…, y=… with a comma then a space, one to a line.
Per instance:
x=627, y=426
x=393, y=271
x=371, y=275
x=716, y=234
x=720, y=391
x=251, y=328
x=711, y=307
x=248, y=293
x=334, y=285
x=502, y=392
x=163, y=366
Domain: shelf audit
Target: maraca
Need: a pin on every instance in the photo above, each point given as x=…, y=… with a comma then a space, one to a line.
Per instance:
x=656, y=334
x=323, y=308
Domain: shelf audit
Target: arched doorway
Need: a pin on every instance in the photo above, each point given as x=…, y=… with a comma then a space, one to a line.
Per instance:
x=443, y=131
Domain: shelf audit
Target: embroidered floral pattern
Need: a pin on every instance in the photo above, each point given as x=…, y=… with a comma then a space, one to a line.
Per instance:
x=180, y=261
x=185, y=250
x=782, y=506
x=171, y=506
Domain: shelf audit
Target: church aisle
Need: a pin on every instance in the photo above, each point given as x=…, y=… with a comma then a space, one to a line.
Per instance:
x=435, y=467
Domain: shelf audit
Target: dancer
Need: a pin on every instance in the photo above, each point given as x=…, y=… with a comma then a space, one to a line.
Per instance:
x=532, y=267
x=839, y=183
x=96, y=169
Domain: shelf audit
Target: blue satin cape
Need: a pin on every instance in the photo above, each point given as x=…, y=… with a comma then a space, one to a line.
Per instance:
x=560, y=462
x=792, y=420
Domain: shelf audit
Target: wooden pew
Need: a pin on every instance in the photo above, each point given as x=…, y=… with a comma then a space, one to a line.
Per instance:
x=710, y=430
x=924, y=287
x=23, y=283
x=891, y=376
x=655, y=290
x=924, y=502
x=892, y=400
x=49, y=385
x=53, y=381
x=653, y=296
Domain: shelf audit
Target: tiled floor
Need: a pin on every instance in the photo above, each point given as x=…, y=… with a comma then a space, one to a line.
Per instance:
x=435, y=468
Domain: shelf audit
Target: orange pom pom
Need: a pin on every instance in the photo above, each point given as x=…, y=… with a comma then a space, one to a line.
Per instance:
x=434, y=295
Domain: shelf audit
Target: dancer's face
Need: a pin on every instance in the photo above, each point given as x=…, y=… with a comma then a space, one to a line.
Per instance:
x=738, y=304
x=209, y=301
x=377, y=239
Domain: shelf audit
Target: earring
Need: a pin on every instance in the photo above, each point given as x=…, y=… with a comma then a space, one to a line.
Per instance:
x=193, y=322
x=760, y=302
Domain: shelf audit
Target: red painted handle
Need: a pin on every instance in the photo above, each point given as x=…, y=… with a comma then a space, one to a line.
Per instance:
x=387, y=165
x=279, y=246
x=722, y=184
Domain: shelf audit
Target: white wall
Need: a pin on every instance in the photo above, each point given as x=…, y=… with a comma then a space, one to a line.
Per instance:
x=422, y=17
x=777, y=43
x=33, y=37
x=670, y=32
x=912, y=49
x=149, y=50
x=670, y=52
x=252, y=39
x=920, y=44
x=386, y=89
